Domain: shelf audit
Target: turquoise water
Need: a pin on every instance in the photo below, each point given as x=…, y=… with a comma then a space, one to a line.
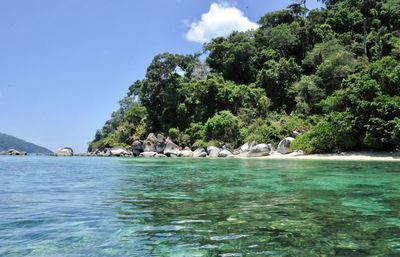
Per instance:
x=189, y=207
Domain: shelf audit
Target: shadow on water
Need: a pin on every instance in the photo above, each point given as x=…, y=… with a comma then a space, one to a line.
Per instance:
x=261, y=207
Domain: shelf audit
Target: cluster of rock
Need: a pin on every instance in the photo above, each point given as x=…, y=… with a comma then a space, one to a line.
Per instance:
x=13, y=152
x=159, y=146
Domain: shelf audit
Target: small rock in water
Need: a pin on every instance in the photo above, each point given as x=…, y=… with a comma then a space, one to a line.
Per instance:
x=148, y=154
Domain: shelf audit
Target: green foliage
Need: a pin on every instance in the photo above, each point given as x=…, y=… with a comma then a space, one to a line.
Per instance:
x=336, y=68
x=276, y=78
x=223, y=126
x=272, y=129
x=307, y=94
x=386, y=72
x=334, y=133
x=179, y=137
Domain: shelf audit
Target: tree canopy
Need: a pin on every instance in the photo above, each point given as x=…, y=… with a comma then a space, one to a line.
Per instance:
x=331, y=74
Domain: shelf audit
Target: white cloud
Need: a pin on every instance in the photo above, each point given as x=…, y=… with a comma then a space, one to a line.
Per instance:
x=221, y=20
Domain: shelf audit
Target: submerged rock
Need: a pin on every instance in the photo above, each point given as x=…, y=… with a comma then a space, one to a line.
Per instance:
x=284, y=145
x=66, y=151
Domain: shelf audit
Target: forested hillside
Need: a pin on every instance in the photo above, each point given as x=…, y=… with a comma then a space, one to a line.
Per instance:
x=8, y=142
x=331, y=74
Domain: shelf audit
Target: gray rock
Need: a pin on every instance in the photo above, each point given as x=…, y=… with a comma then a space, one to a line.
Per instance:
x=160, y=147
x=137, y=148
x=213, y=151
x=160, y=155
x=245, y=147
x=120, y=151
x=152, y=138
x=259, y=150
x=148, y=154
x=105, y=152
x=14, y=152
x=66, y=151
x=149, y=146
x=160, y=143
x=171, y=148
x=295, y=134
x=236, y=152
x=284, y=145
x=200, y=152
x=186, y=153
x=225, y=153
x=160, y=138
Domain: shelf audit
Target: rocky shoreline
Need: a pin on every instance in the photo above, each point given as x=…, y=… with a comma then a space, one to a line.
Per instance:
x=161, y=147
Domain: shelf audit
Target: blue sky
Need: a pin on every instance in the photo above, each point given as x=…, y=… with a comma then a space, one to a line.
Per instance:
x=64, y=64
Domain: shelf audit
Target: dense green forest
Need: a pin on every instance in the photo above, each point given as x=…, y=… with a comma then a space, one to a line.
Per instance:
x=331, y=74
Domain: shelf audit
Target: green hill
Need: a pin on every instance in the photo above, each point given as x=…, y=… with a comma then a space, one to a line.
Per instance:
x=9, y=142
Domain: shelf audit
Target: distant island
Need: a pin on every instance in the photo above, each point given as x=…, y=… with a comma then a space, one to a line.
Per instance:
x=8, y=142
x=329, y=78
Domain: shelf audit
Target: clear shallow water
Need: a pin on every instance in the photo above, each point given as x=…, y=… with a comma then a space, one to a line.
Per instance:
x=189, y=207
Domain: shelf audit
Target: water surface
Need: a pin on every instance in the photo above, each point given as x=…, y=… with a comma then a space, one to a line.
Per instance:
x=198, y=207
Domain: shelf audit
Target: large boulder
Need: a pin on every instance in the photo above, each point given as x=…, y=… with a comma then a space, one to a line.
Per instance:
x=66, y=151
x=160, y=143
x=225, y=153
x=247, y=146
x=186, y=152
x=200, y=152
x=149, y=146
x=148, y=154
x=284, y=145
x=213, y=151
x=137, y=148
x=171, y=148
x=259, y=150
x=120, y=151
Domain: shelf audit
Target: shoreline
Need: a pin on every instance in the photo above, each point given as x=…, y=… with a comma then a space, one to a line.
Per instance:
x=348, y=156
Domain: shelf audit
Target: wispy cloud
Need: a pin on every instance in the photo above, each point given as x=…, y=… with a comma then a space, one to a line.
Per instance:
x=220, y=20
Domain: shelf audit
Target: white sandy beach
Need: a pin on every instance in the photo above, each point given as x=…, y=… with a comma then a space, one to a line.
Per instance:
x=349, y=156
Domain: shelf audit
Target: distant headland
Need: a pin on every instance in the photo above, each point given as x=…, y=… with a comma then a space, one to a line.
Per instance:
x=10, y=145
